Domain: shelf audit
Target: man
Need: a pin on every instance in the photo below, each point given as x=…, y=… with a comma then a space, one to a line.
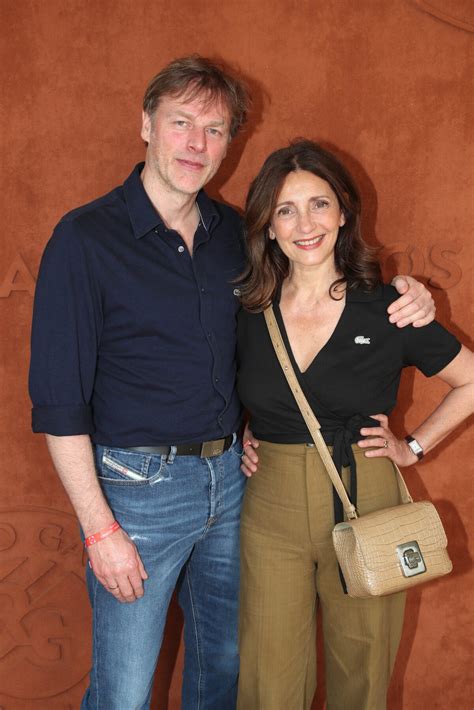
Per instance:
x=132, y=380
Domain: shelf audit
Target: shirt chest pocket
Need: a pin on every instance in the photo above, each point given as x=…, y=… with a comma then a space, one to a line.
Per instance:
x=130, y=468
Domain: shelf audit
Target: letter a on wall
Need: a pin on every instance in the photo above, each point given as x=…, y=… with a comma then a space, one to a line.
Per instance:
x=17, y=278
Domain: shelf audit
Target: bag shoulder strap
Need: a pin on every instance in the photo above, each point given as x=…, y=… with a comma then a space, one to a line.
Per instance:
x=312, y=422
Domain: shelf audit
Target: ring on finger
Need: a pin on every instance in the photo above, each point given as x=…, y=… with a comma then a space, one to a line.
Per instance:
x=385, y=443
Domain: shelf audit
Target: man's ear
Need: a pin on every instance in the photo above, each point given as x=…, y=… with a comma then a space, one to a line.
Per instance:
x=146, y=126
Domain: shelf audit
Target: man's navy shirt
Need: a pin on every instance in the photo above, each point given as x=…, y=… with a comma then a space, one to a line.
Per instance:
x=133, y=339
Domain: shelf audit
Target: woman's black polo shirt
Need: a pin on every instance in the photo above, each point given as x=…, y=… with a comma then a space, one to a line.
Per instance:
x=357, y=372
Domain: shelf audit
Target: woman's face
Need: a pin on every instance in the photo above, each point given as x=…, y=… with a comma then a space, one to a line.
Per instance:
x=306, y=219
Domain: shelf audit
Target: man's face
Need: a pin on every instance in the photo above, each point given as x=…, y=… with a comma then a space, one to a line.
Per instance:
x=187, y=142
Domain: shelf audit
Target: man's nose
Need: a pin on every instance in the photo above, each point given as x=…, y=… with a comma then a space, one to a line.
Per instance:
x=197, y=140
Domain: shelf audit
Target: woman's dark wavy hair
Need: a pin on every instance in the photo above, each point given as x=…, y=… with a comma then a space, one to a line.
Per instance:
x=267, y=264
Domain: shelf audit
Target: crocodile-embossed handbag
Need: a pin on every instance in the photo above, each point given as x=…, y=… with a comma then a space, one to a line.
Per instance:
x=385, y=551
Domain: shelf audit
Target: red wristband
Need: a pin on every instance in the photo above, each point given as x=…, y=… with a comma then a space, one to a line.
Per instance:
x=102, y=534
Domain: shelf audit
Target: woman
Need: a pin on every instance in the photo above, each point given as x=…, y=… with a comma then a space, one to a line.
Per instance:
x=307, y=257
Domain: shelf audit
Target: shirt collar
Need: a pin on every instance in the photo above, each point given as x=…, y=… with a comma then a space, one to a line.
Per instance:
x=207, y=208
x=142, y=213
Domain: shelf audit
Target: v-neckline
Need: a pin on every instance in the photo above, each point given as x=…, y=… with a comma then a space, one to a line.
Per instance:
x=281, y=323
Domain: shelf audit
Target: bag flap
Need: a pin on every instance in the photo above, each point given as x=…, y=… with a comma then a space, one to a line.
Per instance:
x=377, y=534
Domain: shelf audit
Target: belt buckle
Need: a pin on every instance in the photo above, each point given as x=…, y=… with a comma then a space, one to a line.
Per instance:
x=212, y=448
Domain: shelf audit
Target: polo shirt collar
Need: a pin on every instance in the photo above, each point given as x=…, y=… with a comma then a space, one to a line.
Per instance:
x=142, y=213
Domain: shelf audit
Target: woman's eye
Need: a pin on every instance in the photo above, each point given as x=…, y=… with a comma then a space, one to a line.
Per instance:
x=321, y=204
x=283, y=211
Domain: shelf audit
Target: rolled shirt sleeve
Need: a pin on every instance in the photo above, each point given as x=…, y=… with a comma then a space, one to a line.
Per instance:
x=67, y=321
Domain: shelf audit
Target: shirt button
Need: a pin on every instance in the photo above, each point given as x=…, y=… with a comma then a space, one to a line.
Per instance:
x=216, y=379
x=180, y=249
x=203, y=290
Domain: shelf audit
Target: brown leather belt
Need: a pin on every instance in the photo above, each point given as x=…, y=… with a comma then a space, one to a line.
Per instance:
x=203, y=449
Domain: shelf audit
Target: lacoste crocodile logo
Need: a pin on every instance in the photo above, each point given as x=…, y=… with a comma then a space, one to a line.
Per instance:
x=361, y=340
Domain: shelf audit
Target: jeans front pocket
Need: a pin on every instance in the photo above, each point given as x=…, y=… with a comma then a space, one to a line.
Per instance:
x=130, y=468
x=236, y=447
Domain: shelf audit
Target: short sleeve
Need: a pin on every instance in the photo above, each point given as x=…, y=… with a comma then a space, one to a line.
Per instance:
x=66, y=328
x=430, y=348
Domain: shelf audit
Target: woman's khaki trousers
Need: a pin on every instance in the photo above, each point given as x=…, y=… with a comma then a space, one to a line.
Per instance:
x=288, y=565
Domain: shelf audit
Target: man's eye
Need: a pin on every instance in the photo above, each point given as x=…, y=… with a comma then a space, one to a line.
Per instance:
x=214, y=131
x=181, y=124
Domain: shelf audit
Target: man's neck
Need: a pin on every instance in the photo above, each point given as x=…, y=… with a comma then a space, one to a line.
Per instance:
x=178, y=210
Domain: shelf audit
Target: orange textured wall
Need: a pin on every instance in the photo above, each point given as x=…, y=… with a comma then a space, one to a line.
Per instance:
x=388, y=82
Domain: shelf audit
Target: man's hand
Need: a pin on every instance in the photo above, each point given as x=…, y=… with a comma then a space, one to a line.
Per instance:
x=416, y=305
x=114, y=559
x=117, y=565
x=249, y=457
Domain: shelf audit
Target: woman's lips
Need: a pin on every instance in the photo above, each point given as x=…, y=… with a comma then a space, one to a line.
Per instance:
x=312, y=243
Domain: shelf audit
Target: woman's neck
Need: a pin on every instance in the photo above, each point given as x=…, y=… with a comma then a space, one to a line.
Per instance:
x=309, y=285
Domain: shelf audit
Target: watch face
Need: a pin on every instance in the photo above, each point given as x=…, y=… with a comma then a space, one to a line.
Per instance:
x=415, y=447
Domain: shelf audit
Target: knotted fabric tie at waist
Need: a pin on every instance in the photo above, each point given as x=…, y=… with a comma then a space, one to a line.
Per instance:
x=341, y=435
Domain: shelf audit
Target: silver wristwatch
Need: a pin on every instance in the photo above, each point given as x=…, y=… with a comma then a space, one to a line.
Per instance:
x=415, y=447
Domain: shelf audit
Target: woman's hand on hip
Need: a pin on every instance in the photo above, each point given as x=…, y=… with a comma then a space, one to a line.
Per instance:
x=386, y=443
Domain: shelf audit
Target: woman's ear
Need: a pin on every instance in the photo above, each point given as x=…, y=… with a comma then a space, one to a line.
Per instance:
x=342, y=219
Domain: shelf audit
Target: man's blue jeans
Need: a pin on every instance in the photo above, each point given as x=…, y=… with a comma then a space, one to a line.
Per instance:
x=183, y=514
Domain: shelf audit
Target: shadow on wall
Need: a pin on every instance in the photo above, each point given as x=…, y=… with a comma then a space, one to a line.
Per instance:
x=260, y=99
x=458, y=551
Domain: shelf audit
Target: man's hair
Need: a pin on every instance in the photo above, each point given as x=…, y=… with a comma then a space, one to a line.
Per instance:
x=193, y=76
x=268, y=266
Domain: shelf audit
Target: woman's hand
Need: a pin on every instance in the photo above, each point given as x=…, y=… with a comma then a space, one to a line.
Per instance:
x=386, y=443
x=249, y=457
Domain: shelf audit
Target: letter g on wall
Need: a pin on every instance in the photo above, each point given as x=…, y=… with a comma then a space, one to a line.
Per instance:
x=43, y=605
